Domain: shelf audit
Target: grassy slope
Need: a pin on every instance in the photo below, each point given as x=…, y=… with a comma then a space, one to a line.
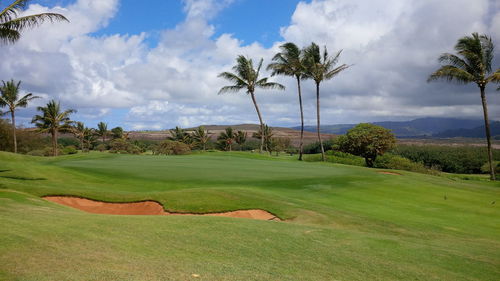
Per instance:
x=349, y=223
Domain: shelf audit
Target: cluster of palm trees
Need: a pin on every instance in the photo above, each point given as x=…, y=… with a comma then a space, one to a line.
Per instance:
x=302, y=64
x=200, y=137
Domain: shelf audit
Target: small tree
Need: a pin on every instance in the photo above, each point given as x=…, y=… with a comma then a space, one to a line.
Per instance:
x=169, y=147
x=368, y=141
x=240, y=138
x=53, y=121
x=201, y=137
x=78, y=130
x=9, y=97
x=180, y=135
x=268, y=134
x=227, y=138
x=102, y=131
x=117, y=133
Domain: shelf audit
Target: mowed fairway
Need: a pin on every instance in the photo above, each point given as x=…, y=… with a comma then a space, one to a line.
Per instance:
x=342, y=222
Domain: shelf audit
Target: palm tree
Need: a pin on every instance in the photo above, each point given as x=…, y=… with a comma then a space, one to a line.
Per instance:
x=201, y=136
x=9, y=97
x=102, y=130
x=290, y=62
x=78, y=130
x=472, y=64
x=180, y=135
x=11, y=25
x=320, y=67
x=89, y=136
x=246, y=77
x=53, y=121
x=227, y=138
x=240, y=138
x=267, y=136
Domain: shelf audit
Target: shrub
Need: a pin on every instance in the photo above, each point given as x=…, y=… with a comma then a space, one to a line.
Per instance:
x=46, y=151
x=344, y=158
x=101, y=147
x=314, y=147
x=461, y=160
x=70, y=149
x=124, y=147
x=391, y=161
x=486, y=167
x=170, y=147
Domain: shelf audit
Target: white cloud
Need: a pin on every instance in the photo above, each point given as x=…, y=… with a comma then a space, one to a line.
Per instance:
x=393, y=45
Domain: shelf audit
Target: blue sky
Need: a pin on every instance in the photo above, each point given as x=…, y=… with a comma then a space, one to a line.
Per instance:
x=155, y=67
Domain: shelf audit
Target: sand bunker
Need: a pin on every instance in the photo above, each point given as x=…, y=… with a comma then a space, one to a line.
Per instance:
x=146, y=208
x=389, y=173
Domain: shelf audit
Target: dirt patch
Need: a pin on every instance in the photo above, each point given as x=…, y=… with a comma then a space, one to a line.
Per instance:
x=389, y=173
x=147, y=208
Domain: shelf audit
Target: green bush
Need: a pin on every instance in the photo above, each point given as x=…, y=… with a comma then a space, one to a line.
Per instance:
x=461, y=160
x=314, y=147
x=46, y=151
x=101, y=147
x=486, y=167
x=123, y=147
x=337, y=157
x=170, y=147
x=344, y=158
x=391, y=161
x=70, y=149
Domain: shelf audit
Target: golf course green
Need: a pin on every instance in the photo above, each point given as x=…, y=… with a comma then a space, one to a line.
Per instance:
x=339, y=222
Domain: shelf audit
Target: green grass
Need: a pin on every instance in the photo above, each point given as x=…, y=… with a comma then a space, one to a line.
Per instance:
x=343, y=222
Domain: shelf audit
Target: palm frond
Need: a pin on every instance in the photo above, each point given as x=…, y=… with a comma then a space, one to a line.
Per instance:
x=264, y=84
x=23, y=102
x=334, y=72
x=230, y=89
x=8, y=36
x=494, y=77
x=10, y=12
x=19, y=24
x=452, y=73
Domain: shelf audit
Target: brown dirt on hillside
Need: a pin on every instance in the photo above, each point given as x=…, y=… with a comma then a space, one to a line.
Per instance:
x=147, y=208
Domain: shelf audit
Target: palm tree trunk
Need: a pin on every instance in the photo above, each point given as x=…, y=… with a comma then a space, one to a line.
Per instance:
x=488, y=134
x=54, y=143
x=14, y=129
x=317, y=117
x=301, y=120
x=261, y=123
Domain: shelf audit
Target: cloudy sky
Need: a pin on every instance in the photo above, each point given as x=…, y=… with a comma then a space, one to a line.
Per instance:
x=156, y=66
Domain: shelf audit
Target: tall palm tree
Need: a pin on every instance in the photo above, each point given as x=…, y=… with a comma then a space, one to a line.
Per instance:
x=227, y=138
x=471, y=64
x=319, y=67
x=240, y=138
x=246, y=77
x=11, y=25
x=53, y=121
x=290, y=62
x=201, y=137
x=9, y=97
x=102, y=130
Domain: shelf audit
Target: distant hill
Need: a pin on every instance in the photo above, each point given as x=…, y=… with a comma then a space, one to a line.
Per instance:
x=477, y=132
x=421, y=127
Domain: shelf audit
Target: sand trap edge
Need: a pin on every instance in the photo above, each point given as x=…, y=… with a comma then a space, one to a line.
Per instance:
x=146, y=207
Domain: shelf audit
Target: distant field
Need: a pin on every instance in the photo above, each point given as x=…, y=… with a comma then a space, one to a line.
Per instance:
x=342, y=222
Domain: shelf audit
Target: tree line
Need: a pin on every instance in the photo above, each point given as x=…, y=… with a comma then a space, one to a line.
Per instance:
x=472, y=63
